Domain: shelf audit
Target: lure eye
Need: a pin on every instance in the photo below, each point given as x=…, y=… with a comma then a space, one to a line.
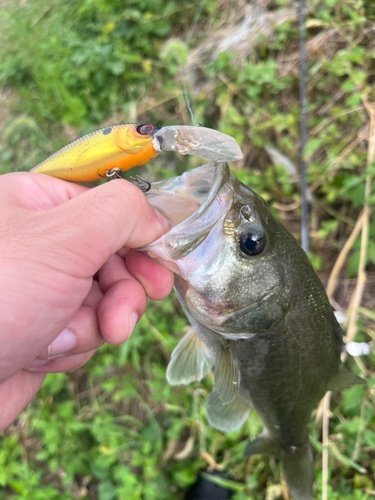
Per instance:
x=145, y=129
x=251, y=244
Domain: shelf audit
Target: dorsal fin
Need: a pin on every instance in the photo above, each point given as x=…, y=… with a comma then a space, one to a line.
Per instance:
x=344, y=380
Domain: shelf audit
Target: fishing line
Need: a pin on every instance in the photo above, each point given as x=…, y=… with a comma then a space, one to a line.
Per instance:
x=186, y=95
x=194, y=23
x=187, y=42
x=303, y=127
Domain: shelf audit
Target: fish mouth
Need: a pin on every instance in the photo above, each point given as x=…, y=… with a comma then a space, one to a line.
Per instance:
x=192, y=204
x=195, y=205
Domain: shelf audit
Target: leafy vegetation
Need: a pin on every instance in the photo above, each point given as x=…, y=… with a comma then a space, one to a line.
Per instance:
x=115, y=429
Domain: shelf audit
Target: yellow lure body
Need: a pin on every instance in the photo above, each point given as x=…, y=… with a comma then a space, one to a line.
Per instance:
x=90, y=157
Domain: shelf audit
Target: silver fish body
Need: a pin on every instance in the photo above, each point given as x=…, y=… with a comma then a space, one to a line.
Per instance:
x=258, y=312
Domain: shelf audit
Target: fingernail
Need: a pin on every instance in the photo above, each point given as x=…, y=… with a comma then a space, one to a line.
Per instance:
x=36, y=363
x=132, y=322
x=62, y=344
x=162, y=221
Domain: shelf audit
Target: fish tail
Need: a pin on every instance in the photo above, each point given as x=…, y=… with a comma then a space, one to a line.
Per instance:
x=296, y=464
x=298, y=470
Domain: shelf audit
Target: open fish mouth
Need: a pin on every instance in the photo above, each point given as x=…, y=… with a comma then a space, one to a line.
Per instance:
x=202, y=248
x=193, y=204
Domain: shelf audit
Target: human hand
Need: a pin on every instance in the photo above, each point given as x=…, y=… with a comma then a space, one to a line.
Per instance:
x=54, y=237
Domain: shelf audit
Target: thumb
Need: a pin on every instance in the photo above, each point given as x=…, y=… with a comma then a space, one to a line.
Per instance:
x=86, y=230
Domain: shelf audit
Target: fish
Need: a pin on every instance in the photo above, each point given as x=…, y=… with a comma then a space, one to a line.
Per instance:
x=259, y=315
x=114, y=149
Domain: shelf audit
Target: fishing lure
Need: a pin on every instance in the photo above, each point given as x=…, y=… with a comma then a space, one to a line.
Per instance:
x=92, y=156
x=112, y=150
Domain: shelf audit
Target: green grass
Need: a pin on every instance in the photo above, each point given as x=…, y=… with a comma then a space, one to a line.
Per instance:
x=115, y=428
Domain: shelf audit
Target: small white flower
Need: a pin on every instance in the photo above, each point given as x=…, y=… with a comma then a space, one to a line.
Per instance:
x=357, y=348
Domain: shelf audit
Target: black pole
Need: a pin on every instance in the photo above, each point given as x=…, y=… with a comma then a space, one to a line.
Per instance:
x=303, y=128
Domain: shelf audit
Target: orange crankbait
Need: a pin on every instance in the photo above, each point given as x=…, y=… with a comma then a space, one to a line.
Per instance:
x=92, y=156
x=106, y=152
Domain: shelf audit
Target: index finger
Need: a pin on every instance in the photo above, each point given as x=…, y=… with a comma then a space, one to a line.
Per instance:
x=36, y=191
x=86, y=230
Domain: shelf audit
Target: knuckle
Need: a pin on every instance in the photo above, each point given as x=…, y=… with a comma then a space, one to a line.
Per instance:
x=131, y=193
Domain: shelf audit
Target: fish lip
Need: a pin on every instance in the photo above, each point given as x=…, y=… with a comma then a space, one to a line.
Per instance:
x=183, y=238
x=179, y=241
x=221, y=177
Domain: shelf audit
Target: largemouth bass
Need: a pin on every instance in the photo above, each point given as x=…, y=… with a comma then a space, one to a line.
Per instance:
x=259, y=314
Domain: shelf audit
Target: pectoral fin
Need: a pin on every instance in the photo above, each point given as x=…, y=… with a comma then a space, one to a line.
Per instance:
x=227, y=417
x=344, y=380
x=189, y=360
x=227, y=373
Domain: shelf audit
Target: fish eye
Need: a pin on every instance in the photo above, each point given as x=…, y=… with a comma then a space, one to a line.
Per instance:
x=251, y=244
x=145, y=129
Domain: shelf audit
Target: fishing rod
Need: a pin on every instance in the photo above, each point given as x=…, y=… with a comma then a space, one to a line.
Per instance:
x=303, y=128
x=303, y=113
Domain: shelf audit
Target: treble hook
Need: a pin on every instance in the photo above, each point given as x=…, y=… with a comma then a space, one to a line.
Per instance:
x=114, y=173
x=142, y=183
